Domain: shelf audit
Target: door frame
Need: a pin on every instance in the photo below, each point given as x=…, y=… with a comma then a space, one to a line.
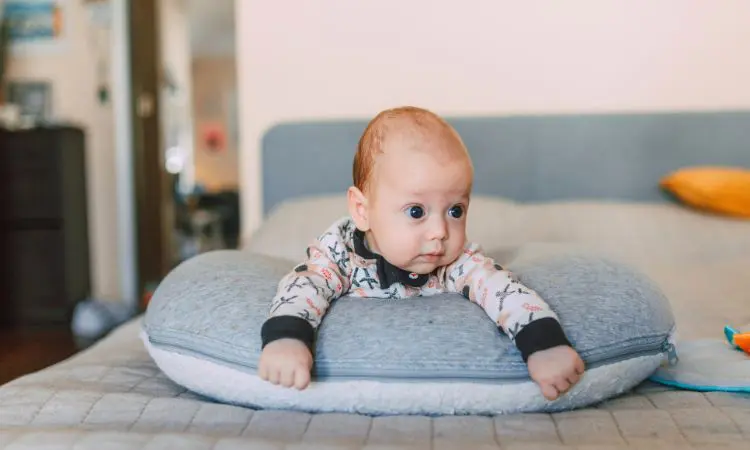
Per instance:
x=152, y=186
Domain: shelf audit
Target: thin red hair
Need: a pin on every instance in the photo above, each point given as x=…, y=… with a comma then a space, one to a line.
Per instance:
x=373, y=138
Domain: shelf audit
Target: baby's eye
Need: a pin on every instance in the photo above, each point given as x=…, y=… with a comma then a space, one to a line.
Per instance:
x=415, y=212
x=456, y=212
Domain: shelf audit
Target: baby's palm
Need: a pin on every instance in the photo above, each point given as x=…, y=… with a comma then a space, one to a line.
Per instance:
x=286, y=362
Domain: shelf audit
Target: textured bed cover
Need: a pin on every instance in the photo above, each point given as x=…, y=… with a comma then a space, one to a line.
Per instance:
x=113, y=396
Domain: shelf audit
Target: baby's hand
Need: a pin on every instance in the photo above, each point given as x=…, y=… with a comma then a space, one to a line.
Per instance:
x=286, y=362
x=555, y=370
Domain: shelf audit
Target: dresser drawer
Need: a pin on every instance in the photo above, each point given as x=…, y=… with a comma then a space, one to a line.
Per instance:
x=30, y=170
x=32, y=270
x=44, y=261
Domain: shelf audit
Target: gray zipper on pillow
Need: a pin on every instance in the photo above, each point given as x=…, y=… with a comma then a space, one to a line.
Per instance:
x=645, y=346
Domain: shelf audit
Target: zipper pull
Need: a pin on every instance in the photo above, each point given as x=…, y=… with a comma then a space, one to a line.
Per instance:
x=671, y=349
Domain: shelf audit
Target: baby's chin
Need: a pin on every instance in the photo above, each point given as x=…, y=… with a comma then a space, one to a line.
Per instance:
x=422, y=267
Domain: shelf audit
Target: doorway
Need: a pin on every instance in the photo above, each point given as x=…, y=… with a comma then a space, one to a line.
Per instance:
x=185, y=132
x=209, y=191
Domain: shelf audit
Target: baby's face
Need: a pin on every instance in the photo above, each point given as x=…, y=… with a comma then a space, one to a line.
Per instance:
x=417, y=208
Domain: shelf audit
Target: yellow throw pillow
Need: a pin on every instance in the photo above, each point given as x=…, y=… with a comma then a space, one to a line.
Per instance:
x=722, y=190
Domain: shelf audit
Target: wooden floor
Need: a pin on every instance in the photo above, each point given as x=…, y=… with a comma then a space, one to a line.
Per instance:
x=28, y=349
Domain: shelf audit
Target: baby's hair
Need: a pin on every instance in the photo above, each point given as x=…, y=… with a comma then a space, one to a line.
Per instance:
x=373, y=138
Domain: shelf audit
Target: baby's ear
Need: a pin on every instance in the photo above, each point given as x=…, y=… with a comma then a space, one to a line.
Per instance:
x=358, y=208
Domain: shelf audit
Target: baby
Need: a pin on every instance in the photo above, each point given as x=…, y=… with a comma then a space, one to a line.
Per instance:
x=406, y=236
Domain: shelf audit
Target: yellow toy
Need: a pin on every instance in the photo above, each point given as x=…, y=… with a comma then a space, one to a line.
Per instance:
x=741, y=341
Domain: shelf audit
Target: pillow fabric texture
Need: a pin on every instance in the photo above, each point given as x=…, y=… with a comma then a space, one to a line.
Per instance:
x=427, y=355
x=721, y=190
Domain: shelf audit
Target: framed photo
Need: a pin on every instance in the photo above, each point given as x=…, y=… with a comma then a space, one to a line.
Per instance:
x=32, y=97
x=36, y=25
x=35, y=20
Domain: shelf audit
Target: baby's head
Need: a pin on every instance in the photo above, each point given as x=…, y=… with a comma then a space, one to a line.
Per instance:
x=412, y=185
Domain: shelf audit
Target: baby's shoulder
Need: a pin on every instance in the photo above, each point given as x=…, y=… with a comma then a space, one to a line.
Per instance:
x=472, y=253
x=471, y=249
x=334, y=245
x=340, y=231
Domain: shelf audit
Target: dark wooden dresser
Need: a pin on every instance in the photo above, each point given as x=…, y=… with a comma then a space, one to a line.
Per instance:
x=44, y=246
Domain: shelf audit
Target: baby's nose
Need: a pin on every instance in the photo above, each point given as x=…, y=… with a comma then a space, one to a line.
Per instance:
x=438, y=230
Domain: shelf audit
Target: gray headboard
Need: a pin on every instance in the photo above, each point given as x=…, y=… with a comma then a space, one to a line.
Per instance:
x=526, y=158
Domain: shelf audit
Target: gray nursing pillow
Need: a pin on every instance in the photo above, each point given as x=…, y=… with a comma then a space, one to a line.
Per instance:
x=426, y=355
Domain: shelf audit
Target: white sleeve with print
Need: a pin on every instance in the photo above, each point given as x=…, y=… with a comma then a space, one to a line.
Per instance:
x=516, y=309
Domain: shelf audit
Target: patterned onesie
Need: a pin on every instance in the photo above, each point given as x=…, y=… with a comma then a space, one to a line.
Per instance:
x=340, y=263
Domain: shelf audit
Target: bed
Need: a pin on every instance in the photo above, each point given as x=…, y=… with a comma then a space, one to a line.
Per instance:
x=560, y=184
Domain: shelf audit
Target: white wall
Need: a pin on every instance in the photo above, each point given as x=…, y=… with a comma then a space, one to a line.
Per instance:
x=72, y=69
x=333, y=58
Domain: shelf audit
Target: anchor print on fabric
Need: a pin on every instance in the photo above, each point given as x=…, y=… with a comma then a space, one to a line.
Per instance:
x=336, y=254
x=296, y=283
x=392, y=293
x=281, y=301
x=362, y=276
x=502, y=295
x=518, y=326
x=311, y=283
x=305, y=314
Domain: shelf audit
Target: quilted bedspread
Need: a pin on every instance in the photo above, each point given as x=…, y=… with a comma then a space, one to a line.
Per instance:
x=113, y=396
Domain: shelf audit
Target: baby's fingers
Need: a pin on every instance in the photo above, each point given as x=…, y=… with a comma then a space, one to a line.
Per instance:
x=562, y=385
x=273, y=375
x=287, y=376
x=549, y=391
x=580, y=367
x=301, y=378
x=263, y=372
x=573, y=378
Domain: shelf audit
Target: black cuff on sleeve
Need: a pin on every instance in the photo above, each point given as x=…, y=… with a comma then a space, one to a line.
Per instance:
x=293, y=327
x=540, y=334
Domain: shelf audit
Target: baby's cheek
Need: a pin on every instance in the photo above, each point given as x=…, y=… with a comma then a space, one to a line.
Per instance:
x=455, y=249
x=405, y=248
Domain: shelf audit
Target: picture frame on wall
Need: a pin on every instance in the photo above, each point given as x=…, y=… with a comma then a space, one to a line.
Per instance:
x=36, y=26
x=33, y=20
x=33, y=98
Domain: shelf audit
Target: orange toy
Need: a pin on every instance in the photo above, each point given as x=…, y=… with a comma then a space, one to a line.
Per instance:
x=742, y=341
x=739, y=340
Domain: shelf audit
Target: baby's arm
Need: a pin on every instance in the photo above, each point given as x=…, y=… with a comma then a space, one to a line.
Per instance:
x=301, y=301
x=516, y=309
x=521, y=314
